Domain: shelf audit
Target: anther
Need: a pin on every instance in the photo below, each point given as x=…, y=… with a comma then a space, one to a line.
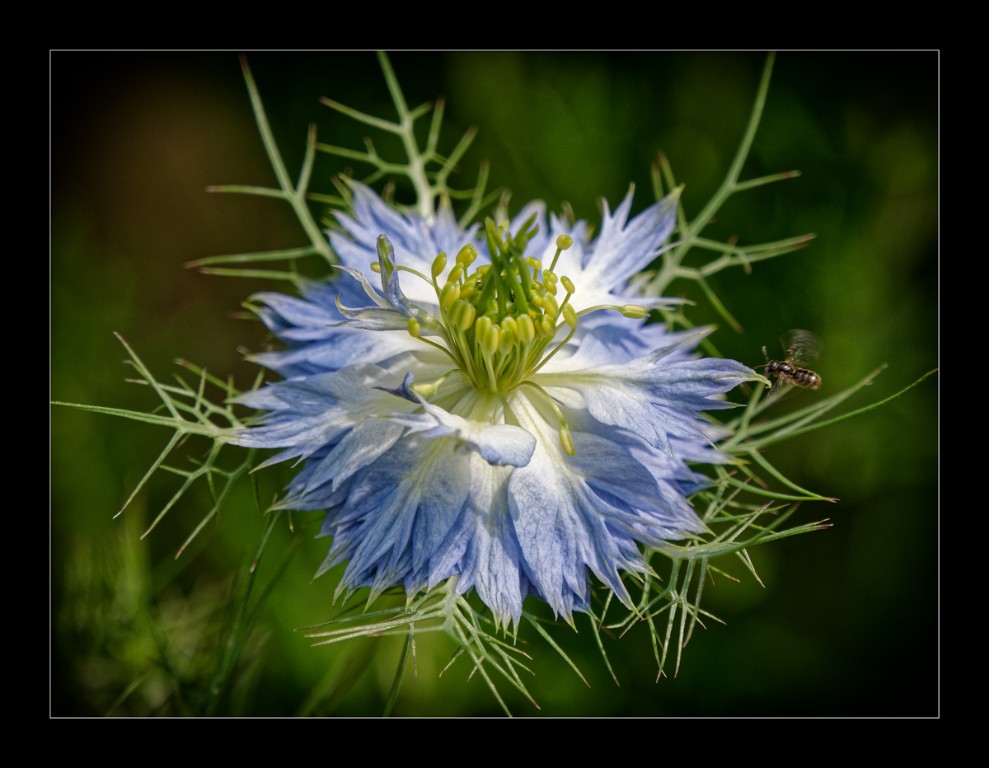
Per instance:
x=566, y=439
x=526, y=329
x=467, y=255
x=493, y=339
x=462, y=315
x=570, y=315
x=487, y=335
x=439, y=264
x=634, y=311
x=508, y=336
x=449, y=294
x=552, y=307
x=563, y=242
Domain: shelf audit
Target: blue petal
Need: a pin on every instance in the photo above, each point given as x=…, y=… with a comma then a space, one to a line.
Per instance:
x=653, y=396
x=307, y=415
x=416, y=241
x=317, y=341
x=339, y=347
x=624, y=247
x=485, y=548
x=397, y=510
x=572, y=514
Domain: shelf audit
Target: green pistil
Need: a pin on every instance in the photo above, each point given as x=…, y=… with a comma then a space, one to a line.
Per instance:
x=500, y=319
x=498, y=322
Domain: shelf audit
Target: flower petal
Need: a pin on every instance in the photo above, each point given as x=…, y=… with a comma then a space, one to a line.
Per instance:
x=308, y=415
x=415, y=240
x=482, y=547
x=654, y=396
x=397, y=513
x=602, y=269
x=572, y=514
x=625, y=247
x=499, y=444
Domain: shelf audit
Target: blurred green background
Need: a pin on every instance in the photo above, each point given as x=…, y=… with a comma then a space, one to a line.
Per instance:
x=847, y=624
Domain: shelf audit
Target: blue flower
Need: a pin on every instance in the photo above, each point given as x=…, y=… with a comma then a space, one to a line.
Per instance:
x=501, y=416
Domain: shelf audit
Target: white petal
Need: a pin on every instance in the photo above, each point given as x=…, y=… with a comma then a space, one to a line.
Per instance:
x=499, y=444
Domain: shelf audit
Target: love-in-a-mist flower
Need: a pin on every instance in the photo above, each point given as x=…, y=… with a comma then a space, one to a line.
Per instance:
x=497, y=412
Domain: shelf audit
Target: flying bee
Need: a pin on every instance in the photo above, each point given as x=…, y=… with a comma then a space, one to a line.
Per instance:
x=802, y=349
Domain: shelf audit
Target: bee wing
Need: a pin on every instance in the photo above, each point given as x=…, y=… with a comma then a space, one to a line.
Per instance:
x=778, y=389
x=802, y=347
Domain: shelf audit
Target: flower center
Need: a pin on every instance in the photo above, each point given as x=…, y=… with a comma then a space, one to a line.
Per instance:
x=499, y=319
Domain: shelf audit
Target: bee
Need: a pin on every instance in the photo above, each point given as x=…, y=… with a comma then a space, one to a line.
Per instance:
x=802, y=349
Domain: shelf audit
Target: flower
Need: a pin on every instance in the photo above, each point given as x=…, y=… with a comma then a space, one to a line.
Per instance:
x=502, y=416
